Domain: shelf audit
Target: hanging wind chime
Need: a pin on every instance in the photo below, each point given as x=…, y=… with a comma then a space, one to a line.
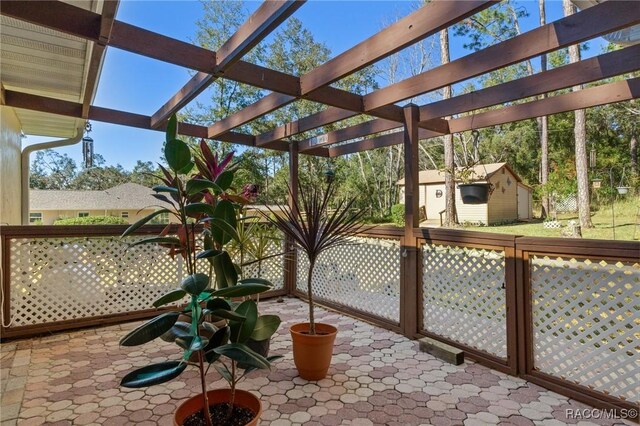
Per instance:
x=87, y=147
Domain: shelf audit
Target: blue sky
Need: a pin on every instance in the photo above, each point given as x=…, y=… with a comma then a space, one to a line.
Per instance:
x=133, y=83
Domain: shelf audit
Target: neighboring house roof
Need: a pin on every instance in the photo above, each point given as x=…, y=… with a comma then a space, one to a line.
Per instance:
x=480, y=171
x=128, y=196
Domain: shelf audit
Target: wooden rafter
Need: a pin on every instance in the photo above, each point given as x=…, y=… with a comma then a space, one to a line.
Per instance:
x=597, y=68
x=419, y=25
x=609, y=16
x=589, y=23
x=268, y=16
x=619, y=91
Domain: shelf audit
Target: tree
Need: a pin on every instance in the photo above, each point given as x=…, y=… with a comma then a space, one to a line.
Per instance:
x=144, y=173
x=52, y=170
x=99, y=177
x=580, y=136
x=543, y=127
x=451, y=216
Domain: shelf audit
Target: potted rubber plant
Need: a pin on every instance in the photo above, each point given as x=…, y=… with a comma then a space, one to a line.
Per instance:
x=200, y=205
x=314, y=230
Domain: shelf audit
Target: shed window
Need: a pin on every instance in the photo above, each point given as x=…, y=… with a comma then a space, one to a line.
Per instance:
x=83, y=214
x=35, y=217
x=124, y=215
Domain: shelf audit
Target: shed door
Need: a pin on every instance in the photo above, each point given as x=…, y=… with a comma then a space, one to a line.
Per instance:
x=523, y=203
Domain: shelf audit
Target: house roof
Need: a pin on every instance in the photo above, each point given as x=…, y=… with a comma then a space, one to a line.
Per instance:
x=479, y=171
x=128, y=196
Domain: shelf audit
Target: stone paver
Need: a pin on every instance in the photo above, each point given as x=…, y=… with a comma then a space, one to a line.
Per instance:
x=377, y=378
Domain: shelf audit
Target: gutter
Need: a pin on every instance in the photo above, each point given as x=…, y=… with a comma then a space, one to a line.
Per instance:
x=26, y=152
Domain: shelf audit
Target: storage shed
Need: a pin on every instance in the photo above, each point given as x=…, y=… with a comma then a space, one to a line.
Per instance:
x=510, y=201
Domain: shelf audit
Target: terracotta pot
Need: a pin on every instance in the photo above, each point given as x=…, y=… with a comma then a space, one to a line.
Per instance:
x=217, y=396
x=312, y=352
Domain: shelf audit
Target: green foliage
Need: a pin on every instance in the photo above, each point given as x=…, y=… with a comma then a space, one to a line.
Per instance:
x=92, y=220
x=397, y=214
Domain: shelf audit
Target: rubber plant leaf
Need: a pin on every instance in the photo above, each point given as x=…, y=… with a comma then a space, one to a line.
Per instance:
x=143, y=221
x=226, y=212
x=225, y=179
x=154, y=374
x=241, y=290
x=150, y=330
x=179, y=329
x=265, y=327
x=195, y=284
x=198, y=185
x=219, y=338
x=192, y=343
x=172, y=296
x=226, y=274
x=242, y=330
x=241, y=353
x=177, y=154
x=172, y=128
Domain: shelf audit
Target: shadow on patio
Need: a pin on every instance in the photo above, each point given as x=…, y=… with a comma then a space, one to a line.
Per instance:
x=377, y=377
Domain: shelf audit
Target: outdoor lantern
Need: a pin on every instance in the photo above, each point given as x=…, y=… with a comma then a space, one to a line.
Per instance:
x=329, y=175
x=596, y=183
x=87, y=147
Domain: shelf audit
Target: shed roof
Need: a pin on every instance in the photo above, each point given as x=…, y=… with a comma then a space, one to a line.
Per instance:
x=128, y=196
x=479, y=171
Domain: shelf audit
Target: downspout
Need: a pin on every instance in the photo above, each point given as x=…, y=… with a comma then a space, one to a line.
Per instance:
x=26, y=152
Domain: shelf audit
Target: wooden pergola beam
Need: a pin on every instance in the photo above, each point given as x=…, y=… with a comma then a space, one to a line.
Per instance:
x=124, y=118
x=422, y=23
x=592, y=22
x=263, y=21
x=600, y=67
x=619, y=91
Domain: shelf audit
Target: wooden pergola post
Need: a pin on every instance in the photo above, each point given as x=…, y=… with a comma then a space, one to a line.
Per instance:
x=409, y=252
x=291, y=259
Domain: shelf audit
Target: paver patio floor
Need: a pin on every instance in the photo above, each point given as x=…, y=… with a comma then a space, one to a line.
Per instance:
x=377, y=378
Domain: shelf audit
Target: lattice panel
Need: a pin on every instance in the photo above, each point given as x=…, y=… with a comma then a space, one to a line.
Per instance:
x=586, y=322
x=56, y=279
x=364, y=275
x=271, y=269
x=464, y=296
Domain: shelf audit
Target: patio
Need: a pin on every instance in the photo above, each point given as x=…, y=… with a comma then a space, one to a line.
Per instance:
x=377, y=377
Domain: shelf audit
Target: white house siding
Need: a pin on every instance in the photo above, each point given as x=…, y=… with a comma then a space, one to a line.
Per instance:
x=10, y=166
x=503, y=205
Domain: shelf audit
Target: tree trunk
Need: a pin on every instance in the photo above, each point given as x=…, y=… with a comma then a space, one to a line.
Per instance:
x=580, y=135
x=451, y=215
x=543, y=128
x=633, y=148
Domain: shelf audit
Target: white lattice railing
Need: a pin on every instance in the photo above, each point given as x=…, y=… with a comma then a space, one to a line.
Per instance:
x=67, y=278
x=463, y=291
x=586, y=322
x=364, y=275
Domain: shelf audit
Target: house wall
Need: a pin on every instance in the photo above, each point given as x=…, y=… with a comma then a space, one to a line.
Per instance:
x=10, y=168
x=50, y=216
x=503, y=203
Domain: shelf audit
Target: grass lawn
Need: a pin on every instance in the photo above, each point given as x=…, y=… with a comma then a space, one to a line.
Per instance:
x=625, y=219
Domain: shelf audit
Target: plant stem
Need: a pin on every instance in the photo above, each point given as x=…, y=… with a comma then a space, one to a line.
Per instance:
x=312, y=323
x=205, y=399
x=233, y=388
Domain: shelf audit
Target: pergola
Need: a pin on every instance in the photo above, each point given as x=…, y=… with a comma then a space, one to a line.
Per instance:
x=390, y=125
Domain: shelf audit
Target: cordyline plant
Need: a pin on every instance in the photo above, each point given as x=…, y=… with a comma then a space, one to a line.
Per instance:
x=205, y=202
x=314, y=229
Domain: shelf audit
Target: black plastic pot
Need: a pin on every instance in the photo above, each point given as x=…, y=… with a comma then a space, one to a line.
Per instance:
x=475, y=193
x=259, y=346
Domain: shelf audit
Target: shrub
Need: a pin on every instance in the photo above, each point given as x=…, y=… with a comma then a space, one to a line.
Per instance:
x=92, y=220
x=397, y=214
